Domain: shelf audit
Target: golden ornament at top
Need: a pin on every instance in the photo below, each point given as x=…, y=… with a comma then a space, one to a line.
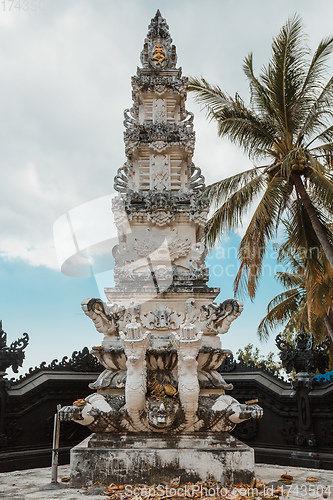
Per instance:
x=159, y=54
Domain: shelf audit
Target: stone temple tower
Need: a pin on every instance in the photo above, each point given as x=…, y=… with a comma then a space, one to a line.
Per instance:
x=160, y=213
x=161, y=346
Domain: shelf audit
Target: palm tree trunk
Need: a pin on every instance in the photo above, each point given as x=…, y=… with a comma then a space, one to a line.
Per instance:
x=316, y=224
x=328, y=325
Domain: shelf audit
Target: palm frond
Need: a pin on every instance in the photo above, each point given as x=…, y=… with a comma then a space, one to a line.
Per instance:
x=261, y=228
x=259, y=96
x=211, y=97
x=321, y=190
x=313, y=97
x=289, y=280
x=279, y=310
x=284, y=76
x=235, y=121
x=317, y=68
x=324, y=135
x=317, y=116
x=246, y=129
x=231, y=213
x=218, y=192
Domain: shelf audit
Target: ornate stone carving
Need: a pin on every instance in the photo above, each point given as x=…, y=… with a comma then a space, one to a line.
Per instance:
x=173, y=134
x=162, y=318
x=196, y=180
x=159, y=246
x=112, y=359
x=195, y=273
x=199, y=217
x=177, y=246
x=218, y=318
x=177, y=202
x=145, y=245
x=106, y=317
x=158, y=53
x=159, y=172
x=187, y=342
x=130, y=119
x=161, y=218
x=304, y=357
x=132, y=312
x=125, y=273
x=13, y=355
x=192, y=312
x=197, y=255
x=135, y=346
x=159, y=84
x=159, y=111
x=159, y=146
x=121, y=180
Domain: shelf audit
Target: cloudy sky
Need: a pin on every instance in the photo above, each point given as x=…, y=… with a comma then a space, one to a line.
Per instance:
x=65, y=81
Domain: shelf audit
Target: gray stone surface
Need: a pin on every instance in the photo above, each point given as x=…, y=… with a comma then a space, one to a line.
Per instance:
x=32, y=484
x=114, y=458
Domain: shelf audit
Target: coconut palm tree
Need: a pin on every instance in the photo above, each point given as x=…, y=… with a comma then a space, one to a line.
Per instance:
x=287, y=126
x=308, y=283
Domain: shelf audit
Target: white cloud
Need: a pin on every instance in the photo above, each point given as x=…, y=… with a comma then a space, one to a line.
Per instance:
x=66, y=81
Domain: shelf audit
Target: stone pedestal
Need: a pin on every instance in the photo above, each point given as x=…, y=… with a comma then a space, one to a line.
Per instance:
x=114, y=458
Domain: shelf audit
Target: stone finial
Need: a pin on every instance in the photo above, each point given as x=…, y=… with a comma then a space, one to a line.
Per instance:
x=158, y=27
x=13, y=355
x=158, y=54
x=304, y=357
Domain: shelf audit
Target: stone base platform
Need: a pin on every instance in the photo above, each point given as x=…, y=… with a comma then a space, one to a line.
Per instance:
x=139, y=458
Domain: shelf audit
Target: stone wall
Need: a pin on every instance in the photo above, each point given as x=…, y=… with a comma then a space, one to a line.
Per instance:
x=28, y=406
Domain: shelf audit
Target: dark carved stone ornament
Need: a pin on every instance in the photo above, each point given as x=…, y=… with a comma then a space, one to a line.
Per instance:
x=150, y=201
x=304, y=357
x=12, y=434
x=289, y=431
x=326, y=431
x=231, y=364
x=246, y=430
x=292, y=435
x=12, y=356
x=80, y=361
x=182, y=134
x=228, y=365
x=159, y=84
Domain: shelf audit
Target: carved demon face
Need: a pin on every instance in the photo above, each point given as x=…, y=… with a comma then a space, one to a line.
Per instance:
x=161, y=415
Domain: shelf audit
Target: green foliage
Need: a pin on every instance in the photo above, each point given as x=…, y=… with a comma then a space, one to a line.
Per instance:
x=287, y=124
x=250, y=354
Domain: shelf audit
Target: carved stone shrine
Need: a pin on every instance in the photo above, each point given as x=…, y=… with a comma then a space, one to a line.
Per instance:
x=160, y=408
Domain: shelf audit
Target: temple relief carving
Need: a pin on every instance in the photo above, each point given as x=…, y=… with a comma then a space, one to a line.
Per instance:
x=160, y=172
x=163, y=318
x=159, y=111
